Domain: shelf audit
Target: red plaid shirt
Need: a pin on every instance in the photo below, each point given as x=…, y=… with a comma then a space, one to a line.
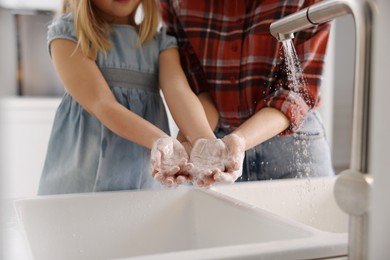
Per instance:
x=227, y=50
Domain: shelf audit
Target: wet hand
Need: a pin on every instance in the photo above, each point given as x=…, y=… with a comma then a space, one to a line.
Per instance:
x=169, y=161
x=233, y=160
x=217, y=160
x=207, y=159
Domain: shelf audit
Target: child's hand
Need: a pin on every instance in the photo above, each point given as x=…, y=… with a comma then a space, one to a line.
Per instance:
x=169, y=161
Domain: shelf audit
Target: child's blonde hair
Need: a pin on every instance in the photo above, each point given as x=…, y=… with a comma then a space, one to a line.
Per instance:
x=91, y=30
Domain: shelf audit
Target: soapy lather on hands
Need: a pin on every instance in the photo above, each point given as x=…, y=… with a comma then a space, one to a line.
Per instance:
x=207, y=162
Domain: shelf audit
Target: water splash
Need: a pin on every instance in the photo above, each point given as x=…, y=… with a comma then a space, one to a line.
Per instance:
x=297, y=84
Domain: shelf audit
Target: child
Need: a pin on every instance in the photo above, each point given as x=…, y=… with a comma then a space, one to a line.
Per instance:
x=112, y=113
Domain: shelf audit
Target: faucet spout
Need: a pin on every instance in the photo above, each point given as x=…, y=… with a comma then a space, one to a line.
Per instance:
x=321, y=12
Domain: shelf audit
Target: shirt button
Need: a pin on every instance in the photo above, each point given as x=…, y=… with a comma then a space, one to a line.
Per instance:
x=234, y=48
x=232, y=79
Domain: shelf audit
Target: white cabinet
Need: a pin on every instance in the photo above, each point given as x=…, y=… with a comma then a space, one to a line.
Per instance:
x=25, y=128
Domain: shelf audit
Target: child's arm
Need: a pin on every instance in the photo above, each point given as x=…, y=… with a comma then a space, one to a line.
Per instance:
x=184, y=105
x=85, y=83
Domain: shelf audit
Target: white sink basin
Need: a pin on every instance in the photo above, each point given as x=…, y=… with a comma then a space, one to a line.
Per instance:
x=309, y=201
x=172, y=224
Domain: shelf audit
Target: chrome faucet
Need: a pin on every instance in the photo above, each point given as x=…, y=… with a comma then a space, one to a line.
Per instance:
x=352, y=187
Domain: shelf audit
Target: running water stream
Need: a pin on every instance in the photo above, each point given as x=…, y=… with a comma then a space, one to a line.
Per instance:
x=293, y=67
x=297, y=83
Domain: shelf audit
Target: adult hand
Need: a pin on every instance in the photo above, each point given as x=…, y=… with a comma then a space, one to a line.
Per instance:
x=169, y=161
x=235, y=153
x=207, y=159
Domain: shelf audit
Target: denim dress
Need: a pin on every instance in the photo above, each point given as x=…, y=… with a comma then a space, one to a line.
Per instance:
x=83, y=155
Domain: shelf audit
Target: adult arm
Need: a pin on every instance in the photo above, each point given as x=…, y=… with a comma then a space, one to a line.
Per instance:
x=262, y=126
x=210, y=111
x=295, y=102
x=285, y=109
x=184, y=105
x=190, y=117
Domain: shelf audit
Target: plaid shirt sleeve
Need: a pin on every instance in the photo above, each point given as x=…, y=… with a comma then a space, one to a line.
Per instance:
x=310, y=46
x=189, y=60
